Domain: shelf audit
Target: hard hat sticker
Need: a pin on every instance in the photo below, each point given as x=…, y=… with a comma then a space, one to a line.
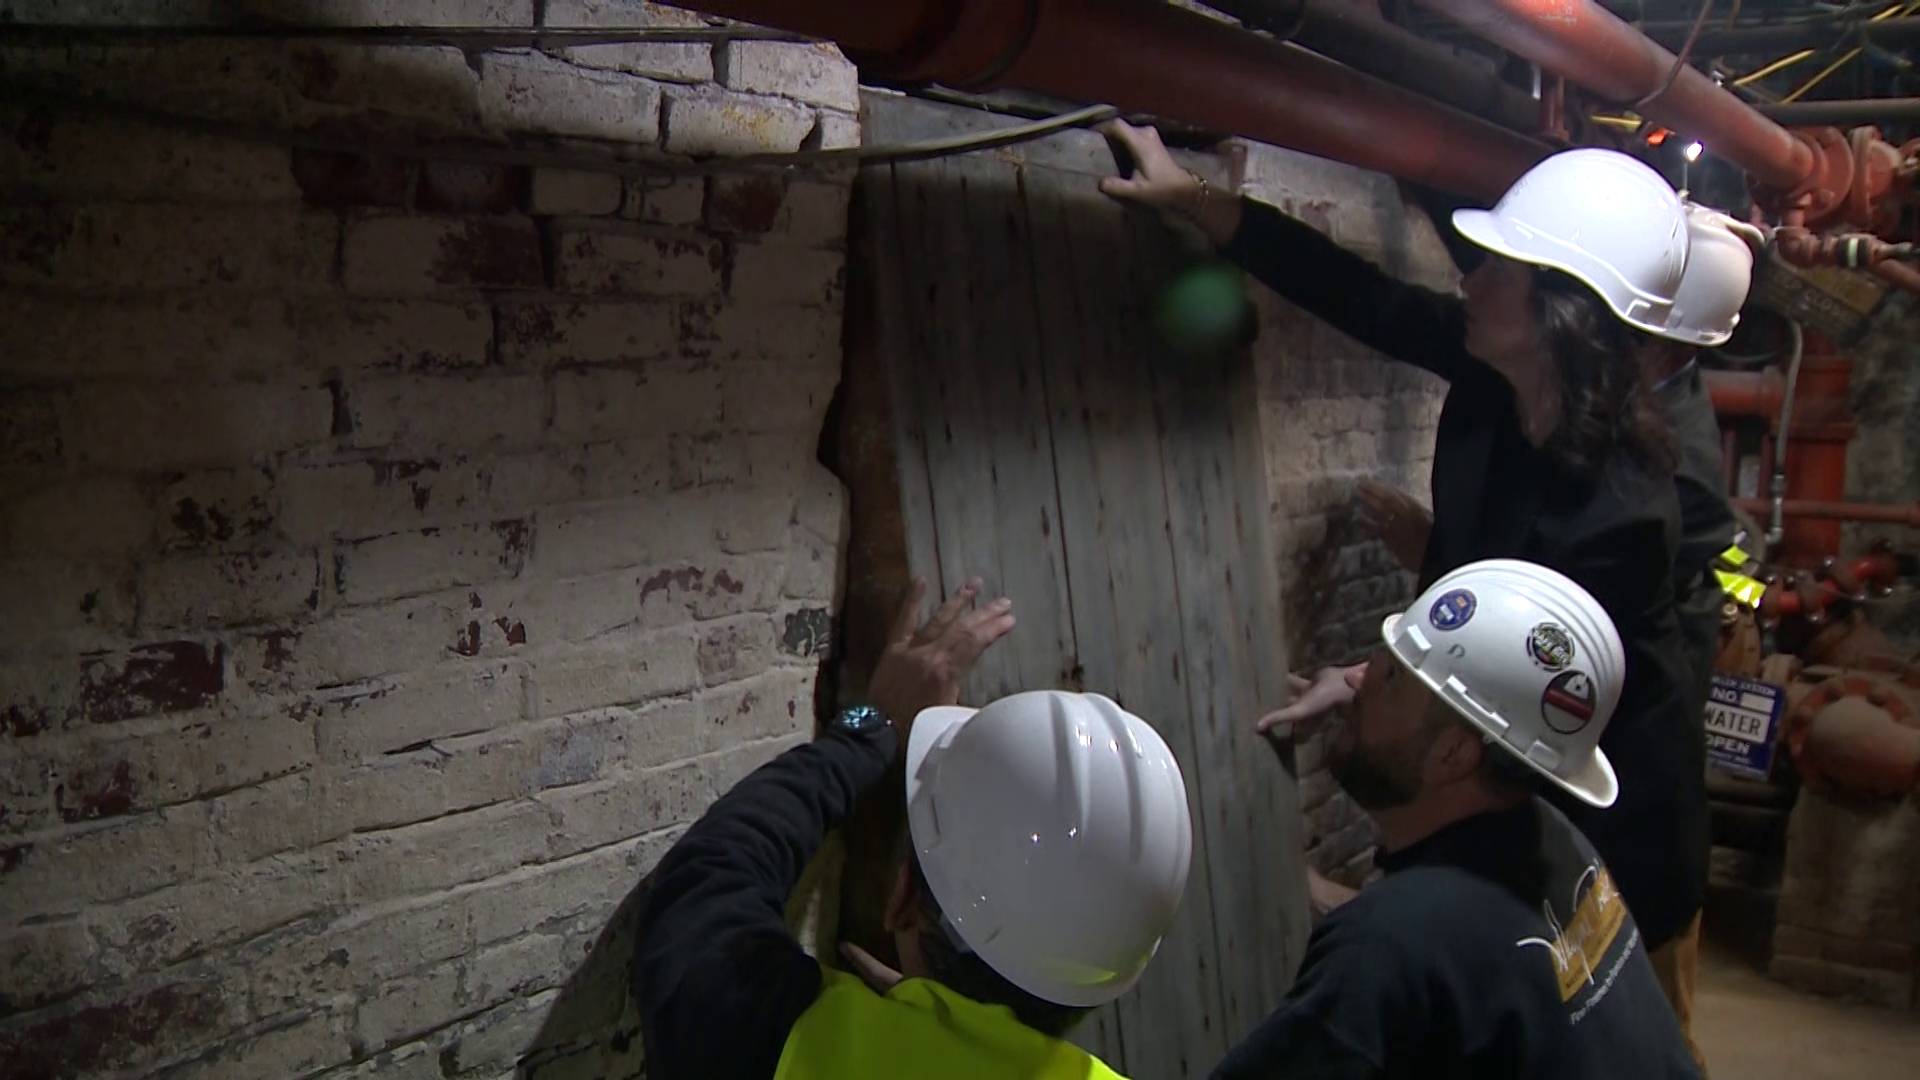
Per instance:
x=1452, y=610
x=1567, y=706
x=1550, y=646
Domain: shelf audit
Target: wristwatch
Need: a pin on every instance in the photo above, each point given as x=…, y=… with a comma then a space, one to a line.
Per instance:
x=862, y=721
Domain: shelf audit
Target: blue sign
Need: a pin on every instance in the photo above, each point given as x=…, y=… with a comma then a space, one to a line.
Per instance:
x=1743, y=721
x=1452, y=610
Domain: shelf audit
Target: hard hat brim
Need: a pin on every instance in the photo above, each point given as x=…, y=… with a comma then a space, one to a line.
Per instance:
x=1486, y=230
x=932, y=727
x=1592, y=782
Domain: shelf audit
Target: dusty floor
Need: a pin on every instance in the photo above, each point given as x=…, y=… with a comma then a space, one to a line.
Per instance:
x=1752, y=1028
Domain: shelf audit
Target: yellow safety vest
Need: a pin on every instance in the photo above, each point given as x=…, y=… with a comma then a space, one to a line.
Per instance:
x=924, y=1031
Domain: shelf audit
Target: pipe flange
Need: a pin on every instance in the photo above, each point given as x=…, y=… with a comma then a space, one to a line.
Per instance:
x=1824, y=191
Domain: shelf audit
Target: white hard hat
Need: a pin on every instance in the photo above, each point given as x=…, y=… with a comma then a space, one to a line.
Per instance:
x=1719, y=273
x=1600, y=215
x=1053, y=830
x=1528, y=657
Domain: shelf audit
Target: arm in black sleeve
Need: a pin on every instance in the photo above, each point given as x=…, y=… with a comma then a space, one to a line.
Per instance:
x=1407, y=323
x=719, y=979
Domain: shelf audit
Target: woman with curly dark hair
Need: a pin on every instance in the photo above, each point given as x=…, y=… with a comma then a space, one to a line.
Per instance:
x=1550, y=447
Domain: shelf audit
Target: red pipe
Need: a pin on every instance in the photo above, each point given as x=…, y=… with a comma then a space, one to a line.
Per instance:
x=1745, y=393
x=1148, y=56
x=1886, y=514
x=1593, y=47
x=1898, y=273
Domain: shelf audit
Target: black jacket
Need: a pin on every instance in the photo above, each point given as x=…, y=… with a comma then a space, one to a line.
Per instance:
x=719, y=979
x=1706, y=521
x=1496, y=495
x=1494, y=949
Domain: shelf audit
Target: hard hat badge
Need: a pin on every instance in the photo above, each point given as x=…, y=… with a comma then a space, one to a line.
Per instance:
x=1567, y=705
x=1550, y=646
x=1452, y=610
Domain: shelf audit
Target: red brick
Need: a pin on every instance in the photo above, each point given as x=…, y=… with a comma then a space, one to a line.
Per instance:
x=106, y=777
x=461, y=187
x=329, y=179
x=747, y=205
x=166, y=677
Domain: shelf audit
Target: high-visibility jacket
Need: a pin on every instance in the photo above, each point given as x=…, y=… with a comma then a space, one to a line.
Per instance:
x=922, y=1030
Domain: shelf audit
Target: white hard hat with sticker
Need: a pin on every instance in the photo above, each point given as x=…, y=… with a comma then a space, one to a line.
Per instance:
x=1528, y=657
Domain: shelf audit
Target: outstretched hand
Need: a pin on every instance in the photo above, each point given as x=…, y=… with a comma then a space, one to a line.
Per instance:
x=923, y=663
x=1313, y=702
x=1160, y=182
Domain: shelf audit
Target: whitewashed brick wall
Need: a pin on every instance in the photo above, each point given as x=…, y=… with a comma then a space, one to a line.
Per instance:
x=394, y=555
x=1333, y=413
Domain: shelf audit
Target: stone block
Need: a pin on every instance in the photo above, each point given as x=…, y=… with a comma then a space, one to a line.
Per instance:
x=409, y=1007
x=528, y=92
x=805, y=71
x=635, y=260
x=704, y=120
x=361, y=499
x=406, y=255
x=432, y=84
x=354, y=644
x=44, y=962
x=572, y=192
x=225, y=506
x=296, y=1045
x=835, y=131
x=283, y=815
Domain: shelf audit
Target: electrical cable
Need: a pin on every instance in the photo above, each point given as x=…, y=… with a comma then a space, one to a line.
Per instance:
x=520, y=155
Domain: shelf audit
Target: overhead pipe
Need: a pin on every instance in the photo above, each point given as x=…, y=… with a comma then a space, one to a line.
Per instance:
x=1594, y=48
x=1845, y=113
x=1148, y=56
x=1788, y=36
x=1366, y=42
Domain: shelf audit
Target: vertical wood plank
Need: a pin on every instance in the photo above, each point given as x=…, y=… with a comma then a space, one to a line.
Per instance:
x=1013, y=440
x=1231, y=651
x=1114, y=518
x=901, y=333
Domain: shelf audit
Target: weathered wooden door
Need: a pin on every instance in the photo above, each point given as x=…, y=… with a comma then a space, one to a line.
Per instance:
x=1042, y=440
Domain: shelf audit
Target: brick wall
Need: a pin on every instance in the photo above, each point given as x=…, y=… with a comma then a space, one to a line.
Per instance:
x=1332, y=413
x=397, y=553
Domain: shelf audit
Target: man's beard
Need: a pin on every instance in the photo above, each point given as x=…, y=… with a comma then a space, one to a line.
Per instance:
x=1375, y=779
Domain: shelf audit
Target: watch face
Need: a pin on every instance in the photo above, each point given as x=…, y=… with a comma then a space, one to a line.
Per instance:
x=862, y=719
